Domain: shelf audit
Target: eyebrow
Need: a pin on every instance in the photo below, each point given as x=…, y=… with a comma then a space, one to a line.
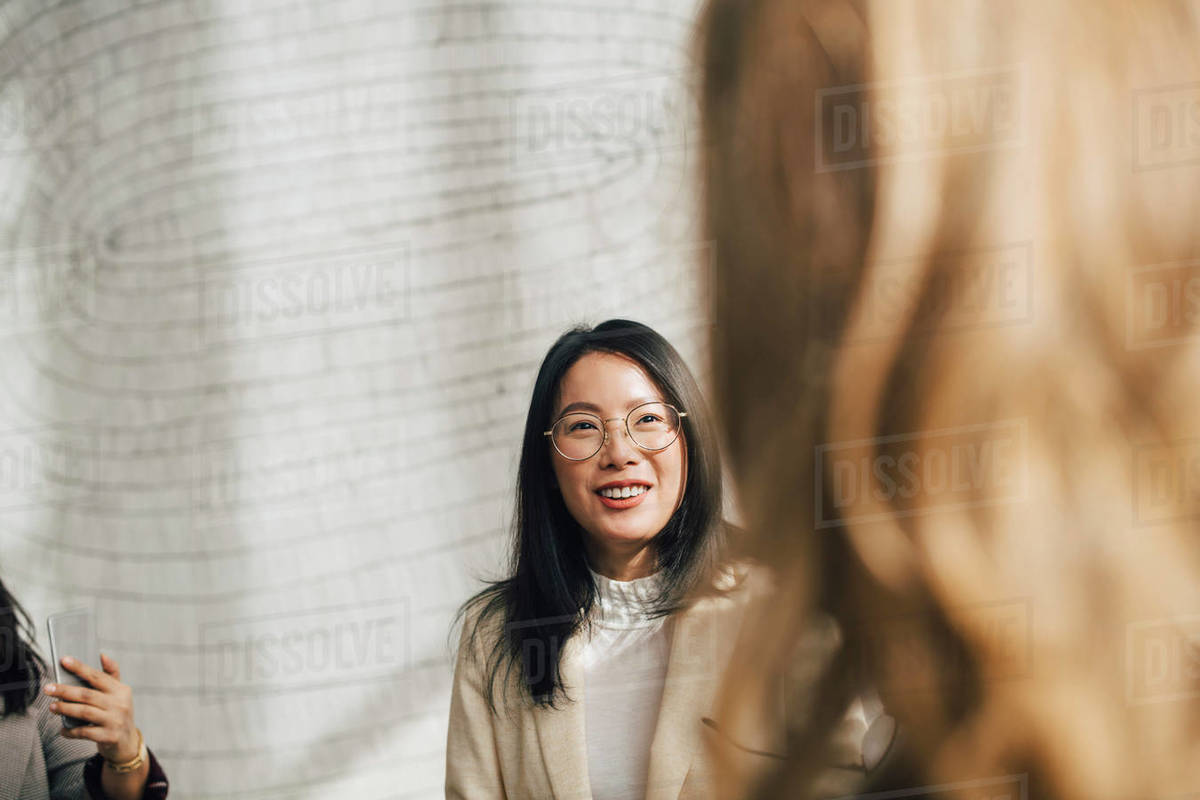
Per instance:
x=585, y=406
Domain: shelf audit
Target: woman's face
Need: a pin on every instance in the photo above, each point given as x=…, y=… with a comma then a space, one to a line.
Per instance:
x=610, y=386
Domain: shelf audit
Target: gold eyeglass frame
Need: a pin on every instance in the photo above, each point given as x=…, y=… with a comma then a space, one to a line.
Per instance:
x=628, y=431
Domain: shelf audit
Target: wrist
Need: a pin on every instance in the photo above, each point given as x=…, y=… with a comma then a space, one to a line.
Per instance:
x=124, y=750
x=123, y=762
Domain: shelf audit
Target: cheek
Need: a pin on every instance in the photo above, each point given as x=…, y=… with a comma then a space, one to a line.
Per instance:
x=673, y=473
x=572, y=484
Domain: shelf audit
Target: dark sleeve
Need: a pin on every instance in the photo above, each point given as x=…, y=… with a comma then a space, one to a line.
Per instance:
x=156, y=781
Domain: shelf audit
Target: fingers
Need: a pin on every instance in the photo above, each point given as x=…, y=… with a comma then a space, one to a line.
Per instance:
x=81, y=711
x=110, y=666
x=96, y=733
x=99, y=680
x=78, y=694
x=107, y=705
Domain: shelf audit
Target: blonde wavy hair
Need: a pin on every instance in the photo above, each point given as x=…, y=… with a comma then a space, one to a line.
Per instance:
x=955, y=357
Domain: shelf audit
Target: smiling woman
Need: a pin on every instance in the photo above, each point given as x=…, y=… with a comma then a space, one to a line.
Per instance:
x=621, y=487
x=563, y=527
x=590, y=670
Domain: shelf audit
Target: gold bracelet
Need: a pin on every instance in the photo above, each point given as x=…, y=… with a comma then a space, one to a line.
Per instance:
x=134, y=763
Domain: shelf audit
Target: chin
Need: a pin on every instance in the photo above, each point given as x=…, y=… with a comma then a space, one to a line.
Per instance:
x=624, y=536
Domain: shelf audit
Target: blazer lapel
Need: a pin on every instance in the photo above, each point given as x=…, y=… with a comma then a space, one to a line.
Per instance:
x=562, y=733
x=697, y=645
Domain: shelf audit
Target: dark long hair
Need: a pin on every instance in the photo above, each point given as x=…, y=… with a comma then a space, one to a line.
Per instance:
x=549, y=591
x=21, y=668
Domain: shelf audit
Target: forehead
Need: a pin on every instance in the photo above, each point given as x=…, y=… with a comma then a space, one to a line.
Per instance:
x=605, y=383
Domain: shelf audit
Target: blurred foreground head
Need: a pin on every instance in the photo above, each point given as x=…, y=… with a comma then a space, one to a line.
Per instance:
x=957, y=355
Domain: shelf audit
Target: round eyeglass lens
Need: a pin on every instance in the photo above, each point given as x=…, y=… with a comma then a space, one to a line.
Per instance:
x=578, y=436
x=653, y=425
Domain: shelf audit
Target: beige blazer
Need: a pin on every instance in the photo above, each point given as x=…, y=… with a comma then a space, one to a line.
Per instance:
x=528, y=753
x=35, y=762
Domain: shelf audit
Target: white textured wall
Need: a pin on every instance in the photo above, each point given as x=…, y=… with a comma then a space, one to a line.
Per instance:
x=276, y=280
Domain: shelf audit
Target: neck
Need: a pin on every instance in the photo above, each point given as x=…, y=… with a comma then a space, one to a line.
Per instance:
x=637, y=562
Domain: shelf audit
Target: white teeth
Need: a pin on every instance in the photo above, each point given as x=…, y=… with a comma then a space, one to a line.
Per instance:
x=622, y=493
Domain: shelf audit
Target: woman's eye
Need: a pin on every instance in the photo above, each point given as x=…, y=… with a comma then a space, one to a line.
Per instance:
x=578, y=425
x=650, y=417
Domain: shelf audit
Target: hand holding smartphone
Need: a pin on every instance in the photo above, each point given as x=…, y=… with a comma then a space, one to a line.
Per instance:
x=73, y=633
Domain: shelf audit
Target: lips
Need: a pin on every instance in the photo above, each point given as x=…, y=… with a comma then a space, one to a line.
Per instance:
x=620, y=488
x=618, y=504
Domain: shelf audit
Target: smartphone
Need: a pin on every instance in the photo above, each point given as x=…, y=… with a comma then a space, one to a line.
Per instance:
x=73, y=633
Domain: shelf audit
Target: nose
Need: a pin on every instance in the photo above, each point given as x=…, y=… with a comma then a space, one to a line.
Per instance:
x=618, y=448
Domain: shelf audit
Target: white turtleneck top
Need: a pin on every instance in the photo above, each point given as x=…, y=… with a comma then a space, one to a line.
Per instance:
x=624, y=666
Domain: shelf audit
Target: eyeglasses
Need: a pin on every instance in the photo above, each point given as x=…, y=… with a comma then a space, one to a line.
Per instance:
x=651, y=426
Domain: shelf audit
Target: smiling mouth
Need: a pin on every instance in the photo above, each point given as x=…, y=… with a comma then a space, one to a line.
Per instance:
x=621, y=503
x=624, y=493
